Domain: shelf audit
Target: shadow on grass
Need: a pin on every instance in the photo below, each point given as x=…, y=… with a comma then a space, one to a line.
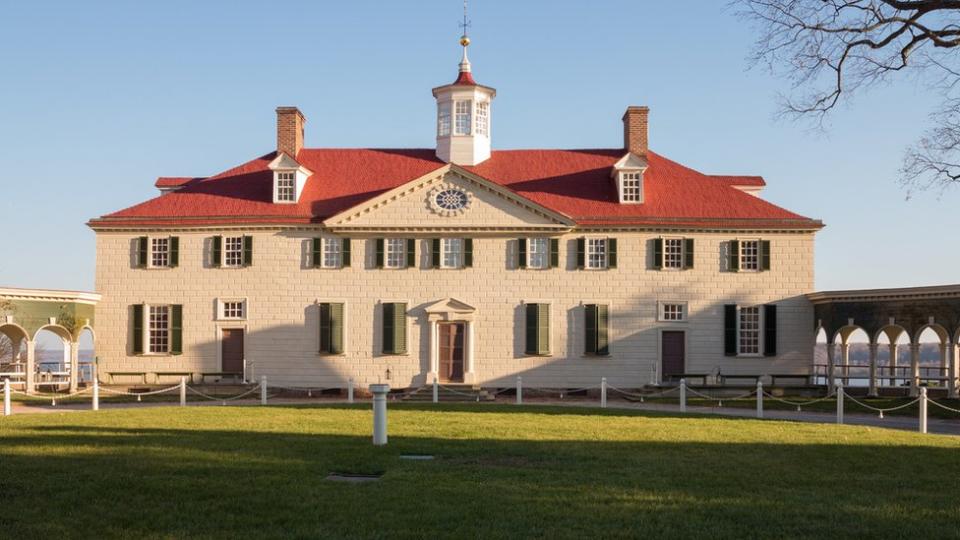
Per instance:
x=220, y=474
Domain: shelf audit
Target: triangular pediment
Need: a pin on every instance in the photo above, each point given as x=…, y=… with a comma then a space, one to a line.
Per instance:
x=449, y=198
x=630, y=161
x=450, y=306
x=285, y=162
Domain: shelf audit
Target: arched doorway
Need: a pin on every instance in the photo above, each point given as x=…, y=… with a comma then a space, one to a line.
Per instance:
x=13, y=354
x=932, y=356
x=52, y=362
x=893, y=348
x=86, y=356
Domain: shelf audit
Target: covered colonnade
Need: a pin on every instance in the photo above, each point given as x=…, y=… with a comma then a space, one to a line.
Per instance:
x=893, y=316
x=27, y=313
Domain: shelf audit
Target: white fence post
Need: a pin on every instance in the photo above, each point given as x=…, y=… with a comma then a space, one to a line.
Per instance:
x=839, y=401
x=183, y=391
x=519, y=390
x=923, y=409
x=436, y=391
x=263, y=390
x=7, y=411
x=350, y=390
x=95, y=403
x=603, y=392
x=683, y=395
x=759, y=399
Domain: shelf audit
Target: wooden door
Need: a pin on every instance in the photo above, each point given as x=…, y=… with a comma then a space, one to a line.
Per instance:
x=231, y=350
x=672, y=354
x=451, y=351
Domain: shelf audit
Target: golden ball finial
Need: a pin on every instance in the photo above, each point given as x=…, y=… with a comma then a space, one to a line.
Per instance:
x=464, y=41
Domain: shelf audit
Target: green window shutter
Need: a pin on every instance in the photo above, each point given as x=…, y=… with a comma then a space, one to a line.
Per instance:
x=174, y=251
x=581, y=252
x=688, y=252
x=176, y=329
x=734, y=255
x=611, y=252
x=137, y=328
x=435, y=252
x=603, y=321
x=411, y=253
x=379, y=256
x=331, y=328
x=247, y=250
x=316, y=252
x=142, y=252
x=770, y=330
x=345, y=253
x=765, y=255
x=554, y=252
x=324, y=328
x=468, y=252
x=730, y=330
x=531, y=334
x=590, y=329
x=521, y=253
x=543, y=329
x=658, y=253
x=216, y=251
x=395, y=328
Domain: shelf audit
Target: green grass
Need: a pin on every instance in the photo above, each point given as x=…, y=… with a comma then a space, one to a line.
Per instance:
x=501, y=471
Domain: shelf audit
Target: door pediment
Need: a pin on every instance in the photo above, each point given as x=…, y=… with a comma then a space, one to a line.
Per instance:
x=450, y=309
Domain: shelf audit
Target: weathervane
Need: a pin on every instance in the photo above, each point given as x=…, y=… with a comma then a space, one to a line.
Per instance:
x=464, y=40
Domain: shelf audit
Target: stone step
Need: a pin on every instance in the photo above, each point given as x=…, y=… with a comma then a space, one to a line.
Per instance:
x=448, y=393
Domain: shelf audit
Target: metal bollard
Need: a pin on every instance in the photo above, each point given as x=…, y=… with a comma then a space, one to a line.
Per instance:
x=379, y=413
x=759, y=399
x=683, y=395
x=350, y=390
x=923, y=409
x=436, y=391
x=263, y=390
x=183, y=391
x=839, y=402
x=519, y=390
x=603, y=392
x=7, y=410
x=95, y=403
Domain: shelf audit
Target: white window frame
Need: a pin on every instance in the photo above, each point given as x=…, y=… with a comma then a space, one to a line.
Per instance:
x=152, y=251
x=222, y=309
x=758, y=331
x=482, y=116
x=148, y=329
x=544, y=253
x=463, y=117
x=227, y=252
x=452, y=247
x=592, y=249
x=331, y=255
x=631, y=187
x=444, y=119
x=395, y=253
x=677, y=251
x=283, y=193
x=663, y=315
x=755, y=256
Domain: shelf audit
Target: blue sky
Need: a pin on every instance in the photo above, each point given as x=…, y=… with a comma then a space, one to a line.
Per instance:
x=98, y=99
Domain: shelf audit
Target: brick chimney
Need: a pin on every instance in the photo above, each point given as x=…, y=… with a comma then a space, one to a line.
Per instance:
x=635, y=130
x=290, y=123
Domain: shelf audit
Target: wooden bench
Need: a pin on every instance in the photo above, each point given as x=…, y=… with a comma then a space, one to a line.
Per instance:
x=752, y=378
x=221, y=374
x=805, y=377
x=688, y=376
x=141, y=374
x=178, y=374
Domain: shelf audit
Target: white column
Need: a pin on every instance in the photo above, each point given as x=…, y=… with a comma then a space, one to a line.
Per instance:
x=894, y=360
x=923, y=410
x=952, y=370
x=914, y=369
x=872, y=392
x=31, y=376
x=831, y=363
x=470, y=376
x=845, y=360
x=95, y=402
x=434, y=354
x=6, y=397
x=74, y=348
x=945, y=359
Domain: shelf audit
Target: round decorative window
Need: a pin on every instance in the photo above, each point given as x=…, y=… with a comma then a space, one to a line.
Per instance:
x=449, y=200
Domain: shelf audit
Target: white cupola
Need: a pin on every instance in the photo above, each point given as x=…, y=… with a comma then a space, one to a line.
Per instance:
x=464, y=116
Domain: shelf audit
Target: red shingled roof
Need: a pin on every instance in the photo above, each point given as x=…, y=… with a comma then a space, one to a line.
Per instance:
x=173, y=181
x=575, y=183
x=740, y=180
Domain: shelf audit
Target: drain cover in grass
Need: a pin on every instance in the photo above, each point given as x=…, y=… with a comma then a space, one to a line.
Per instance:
x=354, y=478
x=416, y=457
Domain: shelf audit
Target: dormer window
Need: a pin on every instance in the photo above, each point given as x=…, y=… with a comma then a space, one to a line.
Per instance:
x=631, y=187
x=286, y=186
x=463, y=117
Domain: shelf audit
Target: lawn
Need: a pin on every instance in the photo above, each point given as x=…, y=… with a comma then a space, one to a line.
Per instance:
x=227, y=472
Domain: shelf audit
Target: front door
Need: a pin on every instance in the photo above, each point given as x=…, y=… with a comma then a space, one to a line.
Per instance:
x=451, y=351
x=231, y=350
x=672, y=354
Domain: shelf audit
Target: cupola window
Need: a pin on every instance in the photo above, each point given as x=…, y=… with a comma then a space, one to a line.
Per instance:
x=443, y=120
x=463, y=117
x=483, y=116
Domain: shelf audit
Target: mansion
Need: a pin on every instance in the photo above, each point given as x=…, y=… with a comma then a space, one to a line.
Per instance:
x=459, y=263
